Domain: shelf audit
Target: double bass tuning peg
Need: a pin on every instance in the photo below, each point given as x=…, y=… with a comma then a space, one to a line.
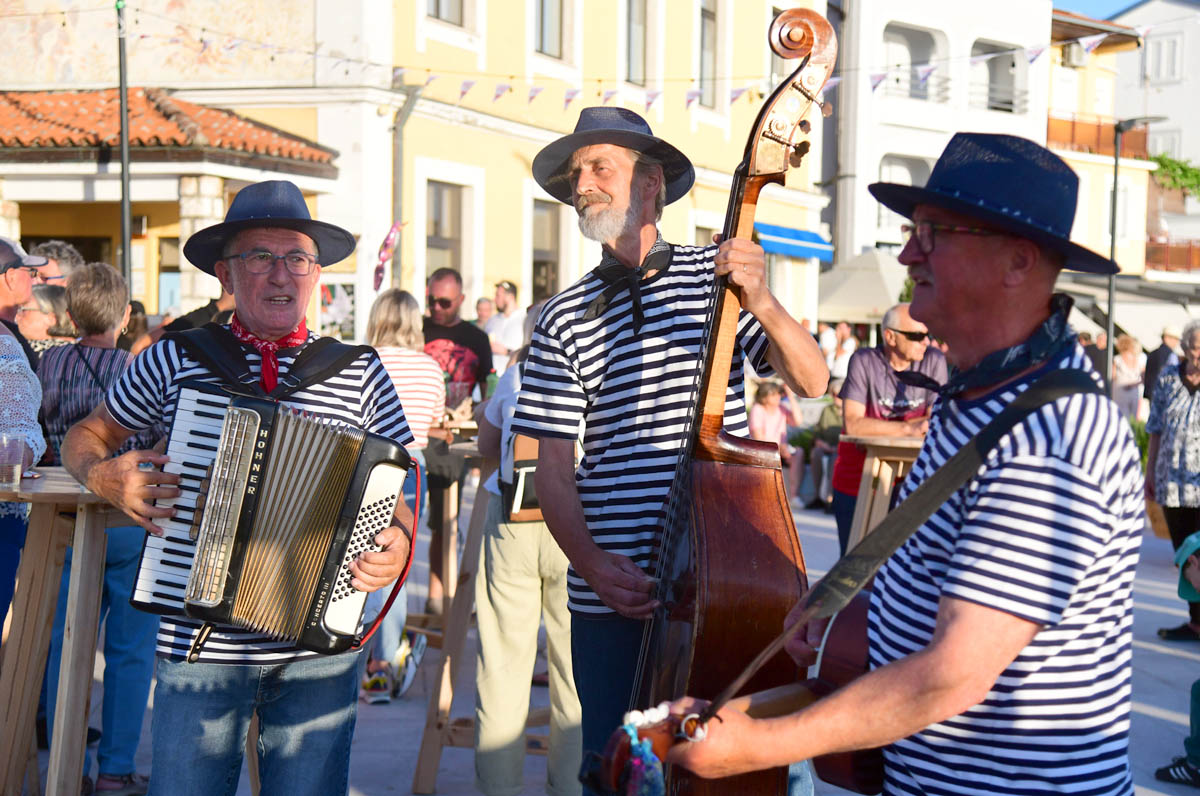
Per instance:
x=798, y=152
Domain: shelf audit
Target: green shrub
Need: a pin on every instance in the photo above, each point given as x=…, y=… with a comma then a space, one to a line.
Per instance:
x=1141, y=437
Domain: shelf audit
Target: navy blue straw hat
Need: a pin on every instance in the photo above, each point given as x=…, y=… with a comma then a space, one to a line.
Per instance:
x=274, y=203
x=620, y=126
x=1006, y=182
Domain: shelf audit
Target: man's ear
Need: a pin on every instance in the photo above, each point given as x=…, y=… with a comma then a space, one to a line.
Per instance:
x=1023, y=261
x=224, y=274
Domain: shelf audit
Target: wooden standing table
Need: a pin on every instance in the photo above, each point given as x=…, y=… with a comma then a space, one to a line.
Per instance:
x=887, y=462
x=27, y=631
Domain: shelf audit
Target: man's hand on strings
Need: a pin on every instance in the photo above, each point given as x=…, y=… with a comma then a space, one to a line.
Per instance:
x=745, y=264
x=620, y=583
x=803, y=646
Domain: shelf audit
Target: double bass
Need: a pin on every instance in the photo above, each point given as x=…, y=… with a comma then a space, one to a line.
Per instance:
x=729, y=565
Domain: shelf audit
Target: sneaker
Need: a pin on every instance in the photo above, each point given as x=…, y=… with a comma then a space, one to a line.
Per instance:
x=122, y=784
x=413, y=651
x=1182, y=633
x=1181, y=772
x=378, y=688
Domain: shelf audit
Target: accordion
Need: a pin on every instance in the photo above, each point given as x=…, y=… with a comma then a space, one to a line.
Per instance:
x=275, y=503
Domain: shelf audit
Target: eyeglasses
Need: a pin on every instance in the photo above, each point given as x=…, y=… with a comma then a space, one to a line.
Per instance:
x=923, y=231
x=261, y=261
x=442, y=302
x=916, y=337
x=30, y=309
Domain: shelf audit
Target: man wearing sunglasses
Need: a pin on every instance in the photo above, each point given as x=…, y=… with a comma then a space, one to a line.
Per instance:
x=1000, y=632
x=877, y=404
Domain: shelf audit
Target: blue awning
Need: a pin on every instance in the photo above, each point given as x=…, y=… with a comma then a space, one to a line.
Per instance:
x=793, y=242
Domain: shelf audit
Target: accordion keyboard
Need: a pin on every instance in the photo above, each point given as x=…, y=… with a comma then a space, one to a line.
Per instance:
x=166, y=560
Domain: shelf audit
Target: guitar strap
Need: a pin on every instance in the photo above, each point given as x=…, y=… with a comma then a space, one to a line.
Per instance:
x=850, y=574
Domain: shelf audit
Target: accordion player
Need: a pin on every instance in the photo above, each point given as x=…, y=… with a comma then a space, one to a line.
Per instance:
x=275, y=503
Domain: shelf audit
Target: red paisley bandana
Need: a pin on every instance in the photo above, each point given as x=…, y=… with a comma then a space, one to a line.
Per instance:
x=268, y=348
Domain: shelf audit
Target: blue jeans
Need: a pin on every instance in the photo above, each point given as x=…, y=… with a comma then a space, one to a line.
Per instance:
x=306, y=713
x=128, y=653
x=604, y=655
x=391, y=630
x=843, y=512
x=12, y=539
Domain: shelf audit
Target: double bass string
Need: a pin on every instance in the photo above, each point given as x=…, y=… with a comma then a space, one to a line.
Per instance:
x=680, y=488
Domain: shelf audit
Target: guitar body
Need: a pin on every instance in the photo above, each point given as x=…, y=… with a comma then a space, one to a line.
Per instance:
x=843, y=657
x=732, y=587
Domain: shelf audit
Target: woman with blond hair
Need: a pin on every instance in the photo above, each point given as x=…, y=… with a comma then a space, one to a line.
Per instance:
x=1127, y=376
x=394, y=329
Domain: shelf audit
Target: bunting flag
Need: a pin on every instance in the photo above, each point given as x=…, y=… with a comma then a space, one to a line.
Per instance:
x=877, y=78
x=430, y=78
x=651, y=96
x=569, y=96
x=924, y=71
x=466, y=86
x=1034, y=53
x=533, y=92
x=1090, y=43
x=736, y=93
x=978, y=59
x=501, y=90
x=608, y=95
x=831, y=83
x=397, y=74
x=692, y=96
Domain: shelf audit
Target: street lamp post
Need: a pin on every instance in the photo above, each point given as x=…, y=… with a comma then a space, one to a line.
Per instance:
x=1119, y=129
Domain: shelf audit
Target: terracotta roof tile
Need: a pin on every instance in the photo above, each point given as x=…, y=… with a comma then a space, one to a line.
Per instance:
x=90, y=118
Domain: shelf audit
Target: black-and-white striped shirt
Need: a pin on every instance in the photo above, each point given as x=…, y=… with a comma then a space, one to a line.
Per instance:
x=631, y=396
x=361, y=394
x=1047, y=531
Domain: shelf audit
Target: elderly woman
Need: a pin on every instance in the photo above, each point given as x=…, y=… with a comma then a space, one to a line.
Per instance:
x=18, y=416
x=44, y=320
x=74, y=380
x=1173, y=457
x=394, y=329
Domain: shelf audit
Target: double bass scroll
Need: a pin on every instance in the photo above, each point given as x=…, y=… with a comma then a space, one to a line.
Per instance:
x=729, y=565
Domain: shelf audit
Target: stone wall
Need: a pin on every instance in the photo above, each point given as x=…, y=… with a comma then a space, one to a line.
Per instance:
x=201, y=204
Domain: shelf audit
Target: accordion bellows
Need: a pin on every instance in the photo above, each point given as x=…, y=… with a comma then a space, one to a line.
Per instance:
x=276, y=504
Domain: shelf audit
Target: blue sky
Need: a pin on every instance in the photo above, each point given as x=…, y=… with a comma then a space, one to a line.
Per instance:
x=1098, y=9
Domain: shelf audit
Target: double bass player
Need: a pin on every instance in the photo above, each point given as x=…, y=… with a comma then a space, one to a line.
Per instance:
x=612, y=361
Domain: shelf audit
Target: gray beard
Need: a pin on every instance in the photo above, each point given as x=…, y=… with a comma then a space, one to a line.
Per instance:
x=607, y=224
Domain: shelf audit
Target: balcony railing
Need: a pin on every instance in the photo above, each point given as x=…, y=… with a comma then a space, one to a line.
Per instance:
x=1094, y=134
x=935, y=88
x=997, y=97
x=1175, y=255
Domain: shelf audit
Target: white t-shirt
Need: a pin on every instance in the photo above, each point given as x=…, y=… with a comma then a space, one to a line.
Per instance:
x=508, y=331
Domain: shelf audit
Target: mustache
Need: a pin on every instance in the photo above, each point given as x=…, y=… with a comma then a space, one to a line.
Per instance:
x=591, y=199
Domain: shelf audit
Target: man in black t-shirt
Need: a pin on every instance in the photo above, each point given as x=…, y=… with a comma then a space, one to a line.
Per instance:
x=464, y=354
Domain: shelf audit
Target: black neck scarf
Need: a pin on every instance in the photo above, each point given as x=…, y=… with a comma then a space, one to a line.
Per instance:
x=617, y=277
x=1047, y=341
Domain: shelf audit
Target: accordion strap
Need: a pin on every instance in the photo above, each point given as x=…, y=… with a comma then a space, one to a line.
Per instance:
x=222, y=355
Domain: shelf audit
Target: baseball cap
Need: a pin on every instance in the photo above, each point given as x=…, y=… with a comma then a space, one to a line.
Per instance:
x=1171, y=331
x=1190, y=546
x=507, y=285
x=13, y=256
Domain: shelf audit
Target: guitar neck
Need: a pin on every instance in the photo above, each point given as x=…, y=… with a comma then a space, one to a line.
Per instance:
x=778, y=701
